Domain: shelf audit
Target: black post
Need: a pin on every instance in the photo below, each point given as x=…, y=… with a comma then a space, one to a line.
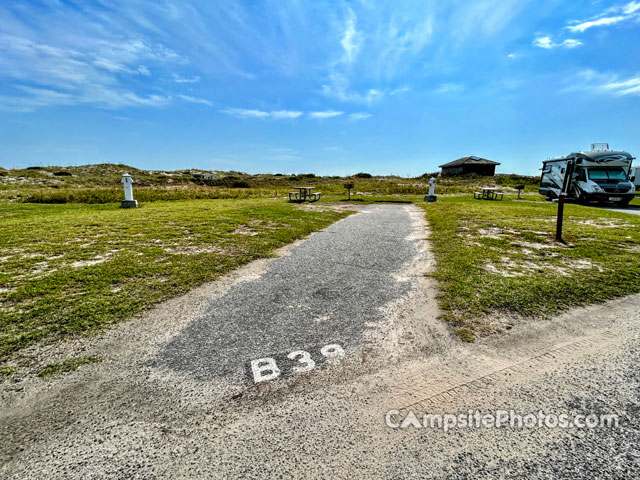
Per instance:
x=560, y=217
x=563, y=194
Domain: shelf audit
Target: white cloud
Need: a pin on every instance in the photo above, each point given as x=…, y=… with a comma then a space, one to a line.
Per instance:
x=253, y=113
x=601, y=22
x=278, y=114
x=630, y=86
x=631, y=7
x=571, y=43
x=376, y=42
x=609, y=17
x=512, y=56
x=245, y=113
x=543, y=42
x=178, y=79
x=203, y=101
x=350, y=38
x=325, y=114
x=77, y=66
x=606, y=83
x=359, y=116
x=97, y=95
x=547, y=43
x=399, y=90
x=339, y=89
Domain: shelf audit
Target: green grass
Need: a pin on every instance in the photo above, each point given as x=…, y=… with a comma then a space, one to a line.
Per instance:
x=7, y=371
x=68, y=365
x=100, y=184
x=75, y=268
x=500, y=258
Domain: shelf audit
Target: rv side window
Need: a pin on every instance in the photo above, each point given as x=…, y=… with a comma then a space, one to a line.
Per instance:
x=582, y=177
x=562, y=170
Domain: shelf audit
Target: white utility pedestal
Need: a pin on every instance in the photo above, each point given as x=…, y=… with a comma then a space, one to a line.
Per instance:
x=128, y=201
x=431, y=197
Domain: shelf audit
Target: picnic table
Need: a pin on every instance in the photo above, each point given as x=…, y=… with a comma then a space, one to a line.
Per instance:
x=303, y=193
x=488, y=193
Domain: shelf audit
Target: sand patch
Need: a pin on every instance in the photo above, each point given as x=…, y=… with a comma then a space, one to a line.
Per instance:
x=193, y=250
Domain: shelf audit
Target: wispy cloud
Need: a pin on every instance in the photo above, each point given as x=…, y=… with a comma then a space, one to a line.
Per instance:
x=325, y=114
x=350, y=38
x=253, y=113
x=285, y=114
x=48, y=64
x=546, y=42
x=359, y=116
x=376, y=42
x=609, y=17
x=203, y=101
x=601, y=22
x=245, y=113
x=605, y=83
x=178, y=79
x=339, y=89
x=399, y=90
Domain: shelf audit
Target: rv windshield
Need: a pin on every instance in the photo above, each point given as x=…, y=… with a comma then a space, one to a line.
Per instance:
x=617, y=174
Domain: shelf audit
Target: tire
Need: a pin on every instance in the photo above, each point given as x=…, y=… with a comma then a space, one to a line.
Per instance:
x=623, y=203
x=582, y=199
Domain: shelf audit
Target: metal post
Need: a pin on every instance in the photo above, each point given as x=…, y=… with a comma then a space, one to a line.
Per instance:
x=568, y=174
x=560, y=217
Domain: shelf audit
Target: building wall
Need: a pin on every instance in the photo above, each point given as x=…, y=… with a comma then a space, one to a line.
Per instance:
x=482, y=170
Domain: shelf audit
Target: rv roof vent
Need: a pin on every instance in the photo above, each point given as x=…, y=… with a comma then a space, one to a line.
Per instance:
x=599, y=147
x=475, y=158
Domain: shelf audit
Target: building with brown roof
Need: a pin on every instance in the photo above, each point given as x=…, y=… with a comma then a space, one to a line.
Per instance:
x=469, y=165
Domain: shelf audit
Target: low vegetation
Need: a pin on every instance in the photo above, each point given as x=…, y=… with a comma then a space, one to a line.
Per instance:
x=100, y=184
x=497, y=261
x=70, y=269
x=68, y=365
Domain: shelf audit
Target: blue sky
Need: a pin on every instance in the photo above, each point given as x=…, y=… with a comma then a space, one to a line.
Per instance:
x=330, y=87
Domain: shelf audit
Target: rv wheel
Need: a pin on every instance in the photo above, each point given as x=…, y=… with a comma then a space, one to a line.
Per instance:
x=623, y=203
x=582, y=199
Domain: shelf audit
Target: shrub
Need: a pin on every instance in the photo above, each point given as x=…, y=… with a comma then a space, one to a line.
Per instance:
x=240, y=184
x=363, y=175
x=429, y=175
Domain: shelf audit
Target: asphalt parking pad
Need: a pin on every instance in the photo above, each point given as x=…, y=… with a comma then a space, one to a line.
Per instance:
x=323, y=294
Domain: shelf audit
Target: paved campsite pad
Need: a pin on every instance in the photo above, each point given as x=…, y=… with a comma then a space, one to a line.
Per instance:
x=329, y=290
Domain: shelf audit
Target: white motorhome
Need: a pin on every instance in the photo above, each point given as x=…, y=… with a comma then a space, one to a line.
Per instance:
x=635, y=177
x=601, y=175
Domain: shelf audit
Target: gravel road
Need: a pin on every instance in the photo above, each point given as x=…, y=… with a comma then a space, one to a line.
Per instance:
x=172, y=397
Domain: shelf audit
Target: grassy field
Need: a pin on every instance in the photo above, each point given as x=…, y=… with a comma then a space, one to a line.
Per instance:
x=74, y=268
x=501, y=258
x=100, y=184
x=72, y=262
